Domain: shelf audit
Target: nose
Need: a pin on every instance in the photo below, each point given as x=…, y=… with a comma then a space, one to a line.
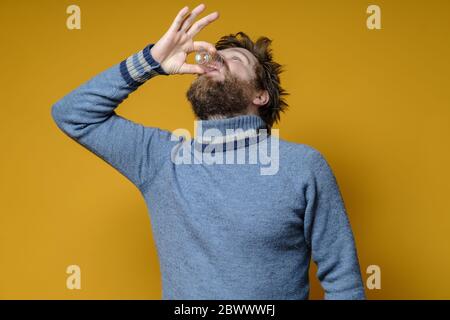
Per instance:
x=218, y=64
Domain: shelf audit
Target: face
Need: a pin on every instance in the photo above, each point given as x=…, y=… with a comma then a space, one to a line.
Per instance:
x=227, y=91
x=238, y=62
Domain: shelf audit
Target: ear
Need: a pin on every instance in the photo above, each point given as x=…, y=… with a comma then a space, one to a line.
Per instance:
x=261, y=98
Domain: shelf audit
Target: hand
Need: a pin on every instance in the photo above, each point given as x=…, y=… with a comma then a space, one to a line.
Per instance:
x=172, y=49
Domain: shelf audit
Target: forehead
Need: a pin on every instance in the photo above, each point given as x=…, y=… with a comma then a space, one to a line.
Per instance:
x=243, y=51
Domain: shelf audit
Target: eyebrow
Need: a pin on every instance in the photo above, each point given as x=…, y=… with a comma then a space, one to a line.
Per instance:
x=243, y=54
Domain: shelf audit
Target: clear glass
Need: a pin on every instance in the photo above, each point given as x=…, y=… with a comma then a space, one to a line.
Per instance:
x=205, y=58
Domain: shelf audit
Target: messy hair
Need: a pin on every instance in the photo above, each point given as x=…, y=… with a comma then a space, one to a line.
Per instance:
x=267, y=73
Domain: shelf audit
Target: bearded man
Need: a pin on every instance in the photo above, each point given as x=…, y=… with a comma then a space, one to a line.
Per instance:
x=223, y=231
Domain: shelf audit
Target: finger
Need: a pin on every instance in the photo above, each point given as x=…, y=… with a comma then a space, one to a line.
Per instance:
x=187, y=23
x=191, y=69
x=179, y=19
x=200, y=24
x=203, y=45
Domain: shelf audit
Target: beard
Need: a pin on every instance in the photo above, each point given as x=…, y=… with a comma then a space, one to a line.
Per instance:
x=224, y=98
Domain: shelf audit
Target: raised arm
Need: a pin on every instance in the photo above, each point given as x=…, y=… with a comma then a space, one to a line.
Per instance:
x=87, y=114
x=329, y=235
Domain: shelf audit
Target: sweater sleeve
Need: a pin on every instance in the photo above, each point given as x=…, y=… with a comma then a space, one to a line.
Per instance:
x=329, y=236
x=87, y=116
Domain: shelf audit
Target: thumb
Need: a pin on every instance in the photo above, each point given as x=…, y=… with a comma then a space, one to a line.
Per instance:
x=191, y=69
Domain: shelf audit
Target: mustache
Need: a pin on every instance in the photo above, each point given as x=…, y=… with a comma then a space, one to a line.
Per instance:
x=227, y=97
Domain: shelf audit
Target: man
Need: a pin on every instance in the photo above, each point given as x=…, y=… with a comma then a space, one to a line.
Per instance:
x=223, y=231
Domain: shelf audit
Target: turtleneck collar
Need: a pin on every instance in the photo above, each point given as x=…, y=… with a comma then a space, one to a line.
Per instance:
x=235, y=132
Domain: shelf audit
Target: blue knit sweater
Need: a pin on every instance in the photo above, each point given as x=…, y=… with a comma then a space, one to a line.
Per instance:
x=223, y=230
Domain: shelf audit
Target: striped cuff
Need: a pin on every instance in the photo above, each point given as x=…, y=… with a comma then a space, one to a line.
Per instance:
x=140, y=67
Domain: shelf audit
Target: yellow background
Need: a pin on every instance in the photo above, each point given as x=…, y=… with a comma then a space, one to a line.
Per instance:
x=376, y=103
